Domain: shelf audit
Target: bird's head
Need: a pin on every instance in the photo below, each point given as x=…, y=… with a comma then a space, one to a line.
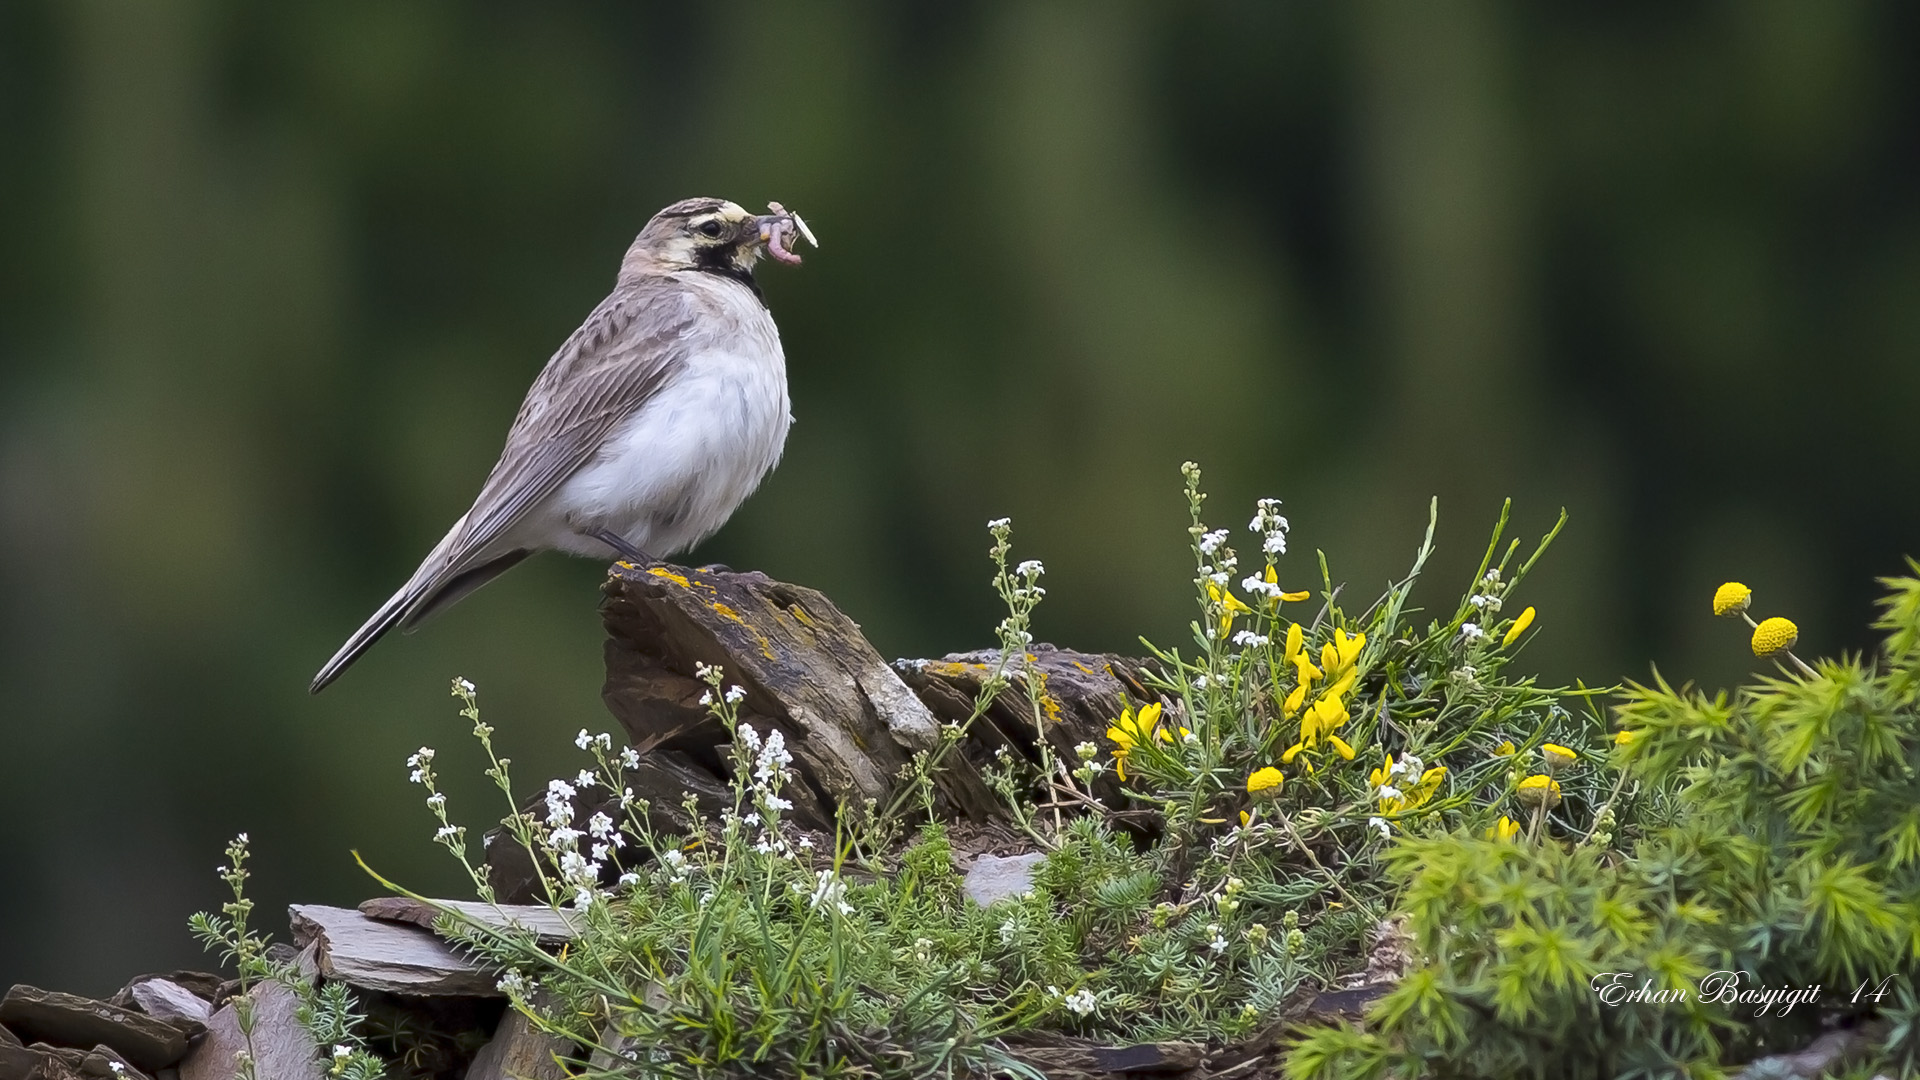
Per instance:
x=715, y=235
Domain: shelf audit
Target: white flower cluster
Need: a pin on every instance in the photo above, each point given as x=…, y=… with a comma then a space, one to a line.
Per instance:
x=421, y=762
x=1211, y=542
x=1081, y=1002
x=1257, y=585
x=1031, y=568
x=829, y=890
x=1471, y=632
x=1484, y=601
x=583, y=740
x=1000, y=523
x=1271, y=525
x=1247, y=638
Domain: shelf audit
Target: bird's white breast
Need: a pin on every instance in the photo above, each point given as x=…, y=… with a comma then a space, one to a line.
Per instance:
x=671, y=474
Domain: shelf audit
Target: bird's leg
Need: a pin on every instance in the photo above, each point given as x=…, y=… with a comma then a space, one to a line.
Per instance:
x=623, y=549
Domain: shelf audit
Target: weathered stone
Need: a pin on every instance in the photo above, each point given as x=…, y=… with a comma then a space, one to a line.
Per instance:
x=164, y=999
x=71, y=1020
x=8, y=1038
x=104, y=1064
x=849, y=721
x=392, y=957
x=550, y=926
x=281, y=1047
x=202, y=984
x=19, y=1063
x=994, y=877
x=520, y=1051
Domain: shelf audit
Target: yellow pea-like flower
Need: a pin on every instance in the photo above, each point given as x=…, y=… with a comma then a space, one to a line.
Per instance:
x=1519, y=627
x=1504, y=829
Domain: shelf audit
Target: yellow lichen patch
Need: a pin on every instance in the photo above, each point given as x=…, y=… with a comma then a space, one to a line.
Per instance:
x=766, y=647
x=677, y=579
x=948, y=669
x=1083, y=667
x=801, y=614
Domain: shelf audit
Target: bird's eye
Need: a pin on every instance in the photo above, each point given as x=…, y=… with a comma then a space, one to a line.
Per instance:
x=711, y=228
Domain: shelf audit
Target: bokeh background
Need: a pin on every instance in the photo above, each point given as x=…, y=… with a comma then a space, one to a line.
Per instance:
x=273, y=277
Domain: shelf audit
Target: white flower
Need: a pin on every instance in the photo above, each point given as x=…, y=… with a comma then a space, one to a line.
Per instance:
x=830, y=890
x=626, y=798
x=775, y=802
x=584, y=895
x=417, y=777
x=706, y=698
x=1386, y=791
x=563, y=837
x=1381, y=824
x=121, y=1070
x=1030, y=568
x=630, y=757
x=573, y=864
x=436, y=800
x=604, y=741
x=560, y=802
x=752, y=818
x=583, y=740
x=338, y=1053
x=628, y=880
x=1247, y=638
x=774, y=758
x=1006, y=935
x=1218, y=944
x=1211, y=542
x=515, y=984
x=735, y=695
x=806, y=843
x=600, y=826
x=421, y=756
x=1256, y=585
x=1493, y=577
x=1471, y=632
x=999, y=523
x=701, y=670
x=1081, y=1002
x=463, y=686
x=749, y=738
x=584, y=779
x=673, y=858
x=447, y=832
x=600, y=852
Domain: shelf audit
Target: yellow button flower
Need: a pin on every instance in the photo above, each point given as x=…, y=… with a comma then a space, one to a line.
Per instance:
x=1625, y=737
x=1731, y=598
x=1505, y=749
x=1264, y=779
x=1774, y=636
x=1504, y=829
x=1519, y=627
x=1557, y=757
x=1539, y=790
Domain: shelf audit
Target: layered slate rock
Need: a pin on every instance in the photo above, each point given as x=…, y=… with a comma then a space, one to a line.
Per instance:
x=391, y=957
x=68, y=1020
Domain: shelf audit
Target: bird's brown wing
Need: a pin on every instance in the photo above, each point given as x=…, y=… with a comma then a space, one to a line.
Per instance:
x=620, y=357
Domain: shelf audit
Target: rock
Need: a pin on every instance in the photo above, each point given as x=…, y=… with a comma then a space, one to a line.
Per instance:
x=104, y=1064
x=552, y=927
x=71, y=1020
x=282, y=1049
x=8, y=1038
x=201, y=984
x=996, y=878
x=19, y=1063
x=520, y=1051
x=164, y=999
x=392, y=957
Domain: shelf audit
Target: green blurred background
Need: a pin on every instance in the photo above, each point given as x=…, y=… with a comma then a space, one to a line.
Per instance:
x=275, y=276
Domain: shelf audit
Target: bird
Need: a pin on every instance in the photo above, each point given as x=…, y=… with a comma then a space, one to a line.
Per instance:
x=649, y=426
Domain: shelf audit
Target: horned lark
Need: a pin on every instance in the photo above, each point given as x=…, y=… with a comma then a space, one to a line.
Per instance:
x=649, y=426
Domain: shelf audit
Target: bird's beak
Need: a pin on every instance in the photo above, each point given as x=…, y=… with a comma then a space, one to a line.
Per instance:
x=777, y=230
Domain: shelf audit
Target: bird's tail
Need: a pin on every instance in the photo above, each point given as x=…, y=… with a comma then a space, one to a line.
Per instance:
x=434, y=587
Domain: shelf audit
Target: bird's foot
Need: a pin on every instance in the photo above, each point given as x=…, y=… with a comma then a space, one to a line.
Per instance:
x=716, y=568
x=627, y=552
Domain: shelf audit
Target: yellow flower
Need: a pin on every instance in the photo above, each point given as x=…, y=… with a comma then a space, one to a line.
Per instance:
x=1505, y=749
x=1129, y=731
x=1246, y=819
x=1291, y=752
x=1343, y=684
x=1557, y=757
x=1731, y=598
x=1539, y=790
x=1379, y=776
x=1504, y=829
x=1307, y=672
x=1294, y=700
x=1340, y=747
x=1774, y=636
x=1230, y=605
x=1519, y=627
x=1264, y=779
x=1294, y=597
x=1625, y=737
x=1295, y=639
